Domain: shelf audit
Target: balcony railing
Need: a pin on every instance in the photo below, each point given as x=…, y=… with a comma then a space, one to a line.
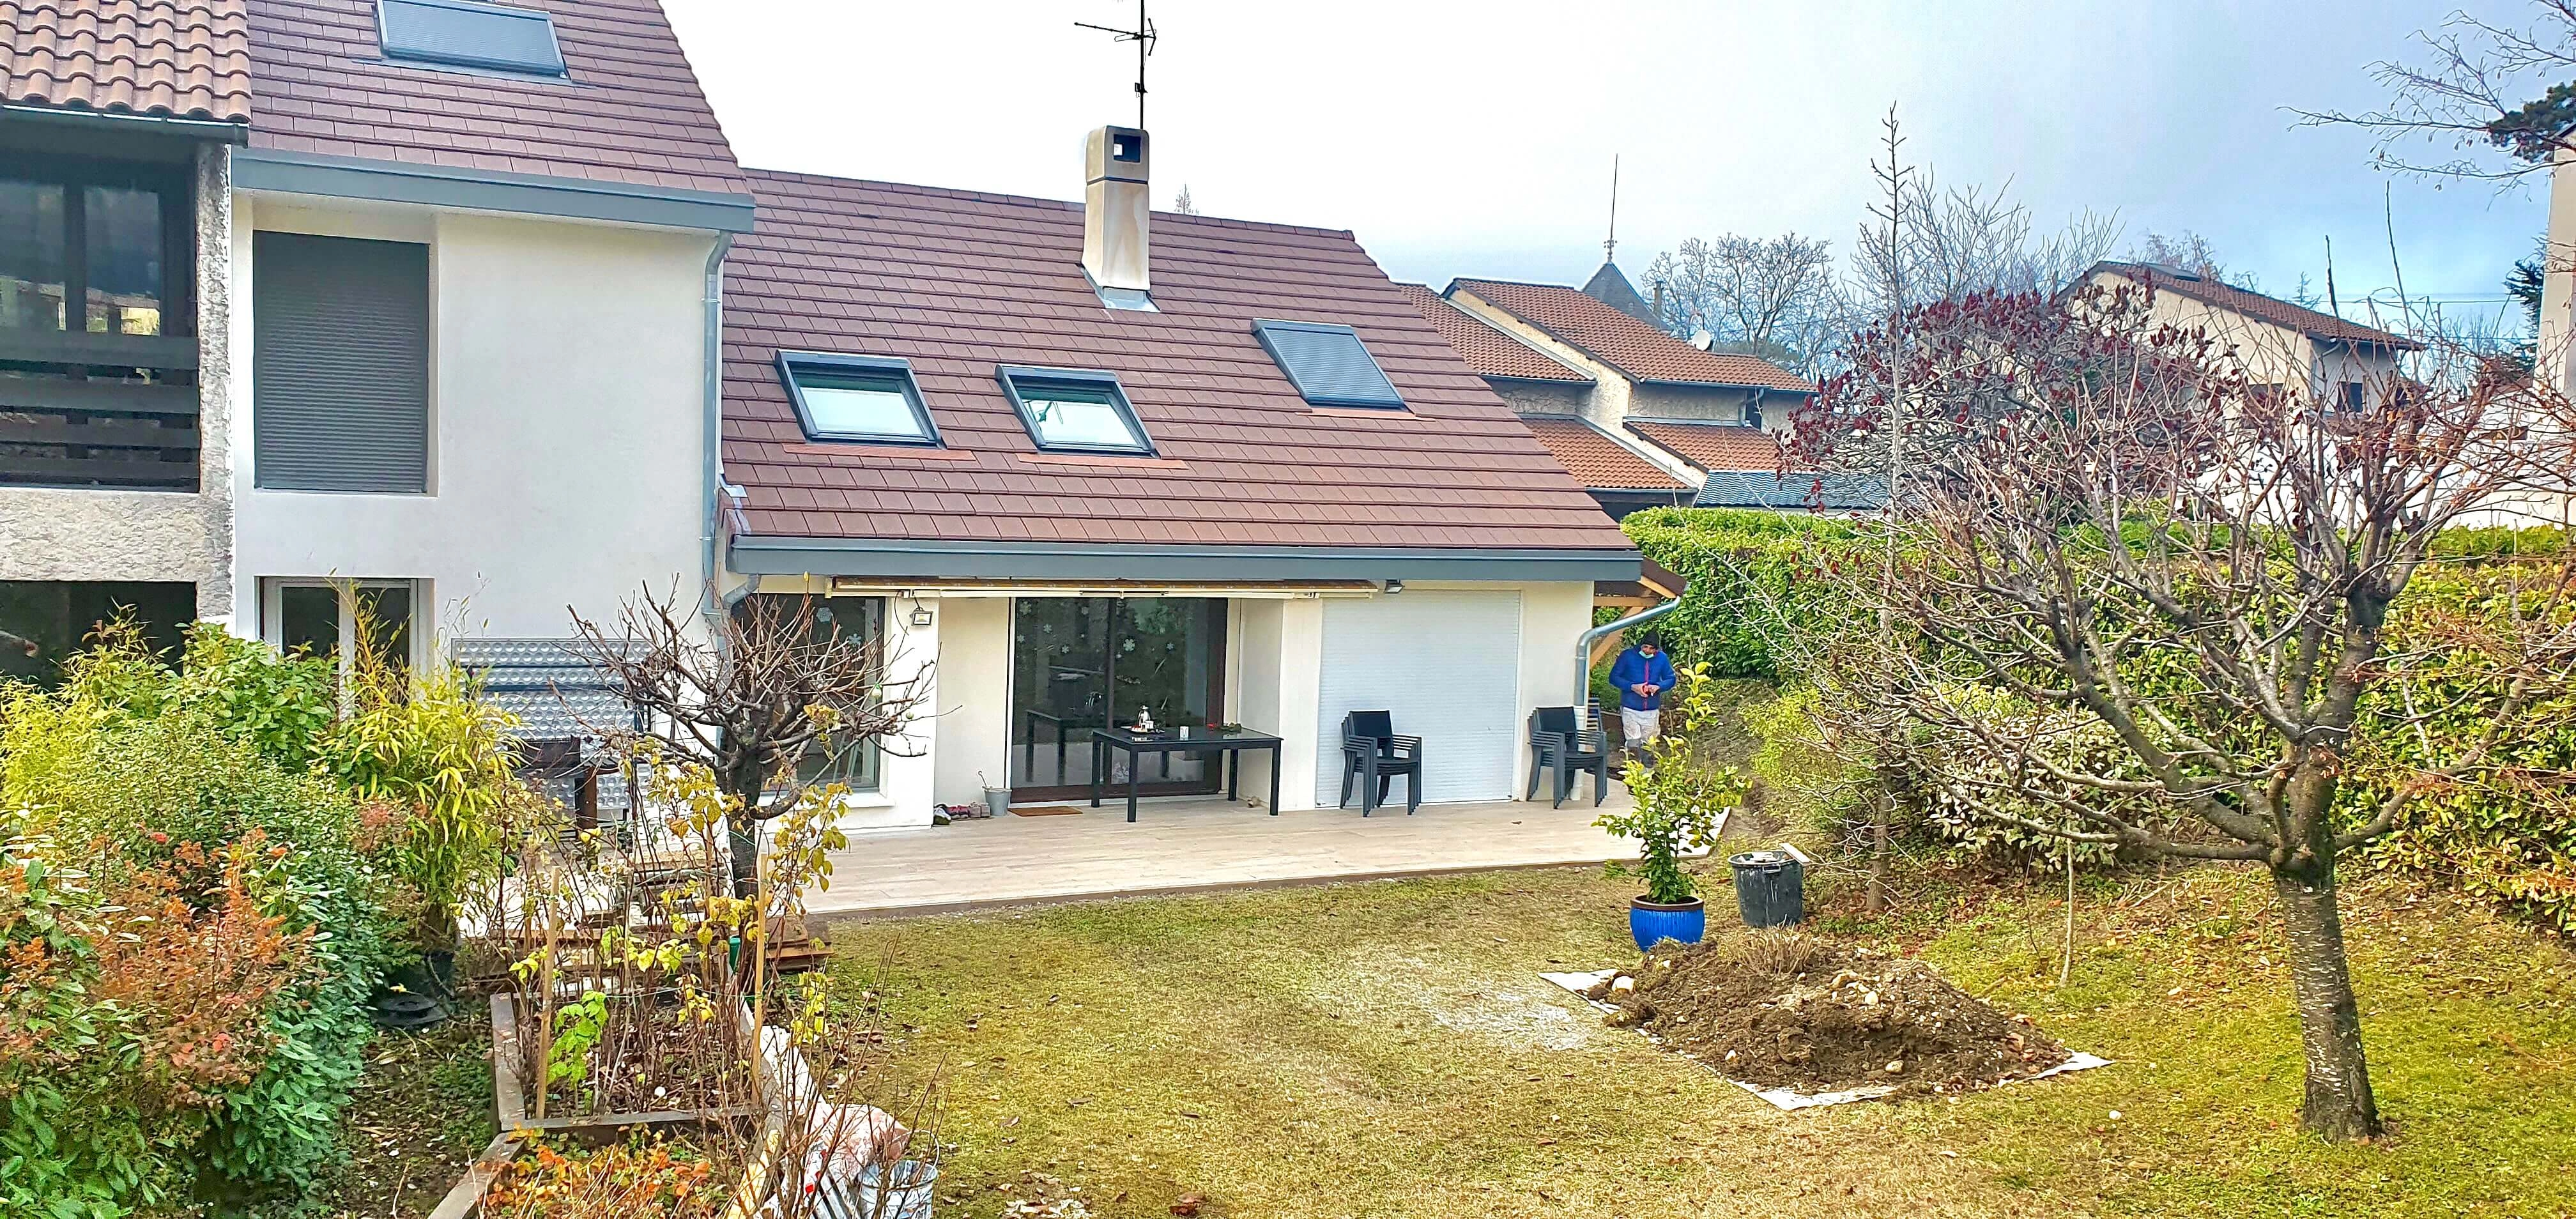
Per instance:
x=75, y=413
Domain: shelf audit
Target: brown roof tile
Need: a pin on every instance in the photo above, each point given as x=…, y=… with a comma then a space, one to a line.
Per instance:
x=959, y=282
x=1486, y=348
x=165, y=58
x=629, y=112
x=1712, y=446
x=2254, y=305
x=1623, y=342
x=1595, y=458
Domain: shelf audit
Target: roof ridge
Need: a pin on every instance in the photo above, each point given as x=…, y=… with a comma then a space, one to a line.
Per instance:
x=985, y=196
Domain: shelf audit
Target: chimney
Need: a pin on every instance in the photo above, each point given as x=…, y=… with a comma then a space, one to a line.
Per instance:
x=1116, y=210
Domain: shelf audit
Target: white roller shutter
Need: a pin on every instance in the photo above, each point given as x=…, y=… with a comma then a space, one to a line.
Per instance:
x=1448, y=665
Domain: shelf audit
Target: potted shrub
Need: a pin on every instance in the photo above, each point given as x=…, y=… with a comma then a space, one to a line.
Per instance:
x=1678, y=804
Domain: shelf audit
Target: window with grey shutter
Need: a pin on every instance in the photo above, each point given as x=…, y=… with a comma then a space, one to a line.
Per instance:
x=340, y=364
x=1328, y=363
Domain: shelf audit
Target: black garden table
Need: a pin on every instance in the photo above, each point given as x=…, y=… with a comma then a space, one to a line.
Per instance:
x=1169, y=741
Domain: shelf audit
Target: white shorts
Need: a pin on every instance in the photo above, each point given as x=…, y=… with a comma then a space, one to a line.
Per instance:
x=1639, y=726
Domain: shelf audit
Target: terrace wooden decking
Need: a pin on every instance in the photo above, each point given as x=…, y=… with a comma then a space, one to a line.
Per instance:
x=1185, y=845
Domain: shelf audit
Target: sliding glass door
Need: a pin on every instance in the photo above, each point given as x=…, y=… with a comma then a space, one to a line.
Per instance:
x=1080, y=663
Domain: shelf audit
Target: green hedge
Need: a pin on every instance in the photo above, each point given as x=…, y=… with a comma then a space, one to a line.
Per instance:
x=1740, y=563
x=2507, y=832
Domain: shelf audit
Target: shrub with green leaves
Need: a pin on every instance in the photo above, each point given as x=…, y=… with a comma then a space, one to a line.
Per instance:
x=1740, y=563
x=2504, y=831
x=126, y=771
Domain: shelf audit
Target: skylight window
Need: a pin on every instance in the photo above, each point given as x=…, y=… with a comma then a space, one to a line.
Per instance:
x=470, y=35
x=871, y=399
x=1075, y=411
x=1328, y=364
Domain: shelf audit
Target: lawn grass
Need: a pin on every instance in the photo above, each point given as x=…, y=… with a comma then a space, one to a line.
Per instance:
x=1386, y=1049
x=420, y=1114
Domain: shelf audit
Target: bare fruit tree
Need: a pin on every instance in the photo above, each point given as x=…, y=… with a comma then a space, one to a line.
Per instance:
x=2477, y=86
x=2143, y=599
x=753, y=698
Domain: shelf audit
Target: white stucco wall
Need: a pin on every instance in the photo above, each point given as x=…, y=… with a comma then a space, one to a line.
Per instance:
x=973, y=726
x=2270, y=354
x=565, y=410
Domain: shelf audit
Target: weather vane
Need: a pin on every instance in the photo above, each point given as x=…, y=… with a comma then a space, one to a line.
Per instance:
x=1143, y=36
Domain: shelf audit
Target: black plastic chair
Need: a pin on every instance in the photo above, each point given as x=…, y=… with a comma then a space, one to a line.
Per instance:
x=1560, y=742
x=1374, y=754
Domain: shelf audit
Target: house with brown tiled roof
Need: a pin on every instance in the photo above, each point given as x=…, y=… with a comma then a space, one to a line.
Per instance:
x=447, y=315
x=1108, y=464
x=314, y=305
x=2281, y=342
x=1641, y=417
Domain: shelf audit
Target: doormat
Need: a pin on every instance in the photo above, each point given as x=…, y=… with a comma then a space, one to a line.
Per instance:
x=1044, y=810
x=1785, y=1098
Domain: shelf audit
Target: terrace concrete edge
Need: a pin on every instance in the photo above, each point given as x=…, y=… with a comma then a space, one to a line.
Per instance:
x=756, y=555
x=294, y=173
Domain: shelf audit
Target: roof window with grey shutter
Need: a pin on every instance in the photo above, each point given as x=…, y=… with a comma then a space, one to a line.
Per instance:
x=464, y=34
x=1328, y=364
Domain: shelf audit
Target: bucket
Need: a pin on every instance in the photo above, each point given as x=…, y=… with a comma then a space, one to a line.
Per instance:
x=1770, y=888
x=903, y=1193
x=998, y=799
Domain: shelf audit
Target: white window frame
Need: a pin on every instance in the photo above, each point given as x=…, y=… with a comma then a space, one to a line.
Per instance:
x=272, y=613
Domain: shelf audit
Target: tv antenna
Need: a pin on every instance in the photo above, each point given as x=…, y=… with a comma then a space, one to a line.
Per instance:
x=1144, y=37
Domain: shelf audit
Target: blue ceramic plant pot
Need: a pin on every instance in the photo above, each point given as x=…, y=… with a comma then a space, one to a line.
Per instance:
x=1652, y=923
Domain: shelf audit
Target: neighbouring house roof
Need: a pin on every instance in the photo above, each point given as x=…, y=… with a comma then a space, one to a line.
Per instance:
x=1766, y=489
x=628, y=112
x=1610, y=286
x=187, y=59
x=1712, y=446
x=959, y=283
x=1596, y=458
x=1487, y=348
x=1633, y=347
x=2255, y=305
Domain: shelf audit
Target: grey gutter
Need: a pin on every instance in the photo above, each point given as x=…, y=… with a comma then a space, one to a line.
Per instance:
x=711, y=385
x=218, y=129
x=488, y=190
x=889, y=557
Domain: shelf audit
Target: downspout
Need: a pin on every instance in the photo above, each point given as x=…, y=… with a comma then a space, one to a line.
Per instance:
x=712, y=534
x=1583, y=646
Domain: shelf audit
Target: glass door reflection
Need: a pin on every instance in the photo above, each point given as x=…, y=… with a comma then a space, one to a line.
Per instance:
x=1080, y=663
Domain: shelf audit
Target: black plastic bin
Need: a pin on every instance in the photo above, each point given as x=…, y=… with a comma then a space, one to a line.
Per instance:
x=1770, y=888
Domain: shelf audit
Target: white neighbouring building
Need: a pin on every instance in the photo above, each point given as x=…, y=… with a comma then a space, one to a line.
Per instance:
x=395, y=302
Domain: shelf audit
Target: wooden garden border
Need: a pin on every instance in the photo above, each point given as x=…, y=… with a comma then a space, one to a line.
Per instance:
x=510, y=1107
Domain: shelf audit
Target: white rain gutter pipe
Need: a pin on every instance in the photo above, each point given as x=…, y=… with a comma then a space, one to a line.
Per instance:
x=712, y=529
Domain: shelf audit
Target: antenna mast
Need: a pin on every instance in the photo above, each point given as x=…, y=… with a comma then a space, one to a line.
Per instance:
x=1610, y=247
x=1144, y=37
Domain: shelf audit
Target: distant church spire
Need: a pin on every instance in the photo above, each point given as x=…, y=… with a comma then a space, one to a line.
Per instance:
x=1610, y=246
x=1609, y=285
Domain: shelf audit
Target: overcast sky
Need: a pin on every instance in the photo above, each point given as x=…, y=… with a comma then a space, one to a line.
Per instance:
x=1475, y=138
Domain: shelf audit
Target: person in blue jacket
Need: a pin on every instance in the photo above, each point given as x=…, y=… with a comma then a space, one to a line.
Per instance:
x=1641, y=675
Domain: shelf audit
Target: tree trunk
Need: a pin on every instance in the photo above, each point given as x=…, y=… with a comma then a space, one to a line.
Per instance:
x=2339, y=1103
x=742, y=840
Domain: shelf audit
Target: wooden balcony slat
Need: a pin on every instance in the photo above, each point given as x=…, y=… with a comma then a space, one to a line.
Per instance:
x=55, y=394
x=110, y=433
x=102, y=472
x=163, y=351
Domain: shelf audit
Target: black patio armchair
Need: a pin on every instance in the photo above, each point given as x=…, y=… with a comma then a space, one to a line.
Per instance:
x=1374, y=754
x=1560, y=742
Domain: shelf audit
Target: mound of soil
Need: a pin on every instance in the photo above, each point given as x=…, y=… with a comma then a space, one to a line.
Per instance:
x=1789, y=1011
